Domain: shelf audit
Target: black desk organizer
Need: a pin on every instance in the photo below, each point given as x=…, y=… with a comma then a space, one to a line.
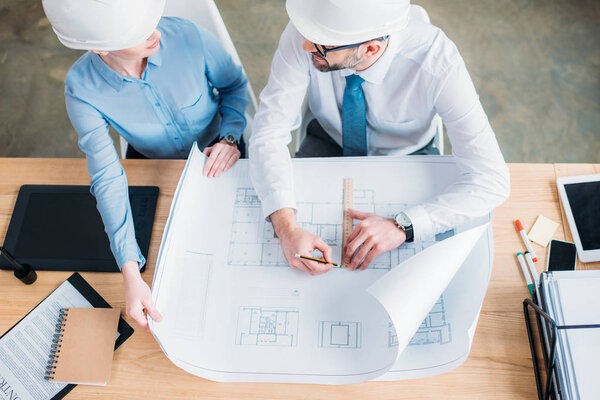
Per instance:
x=550, y=336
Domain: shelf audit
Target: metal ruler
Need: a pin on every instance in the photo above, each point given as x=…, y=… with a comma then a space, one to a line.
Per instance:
x=348, y=222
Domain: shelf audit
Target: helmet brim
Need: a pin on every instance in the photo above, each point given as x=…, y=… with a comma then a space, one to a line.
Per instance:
x=137, y=33
x=326, y=23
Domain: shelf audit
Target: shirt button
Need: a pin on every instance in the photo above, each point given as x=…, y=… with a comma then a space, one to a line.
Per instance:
x=157, y=104
x=168, y=124
x=176, y=138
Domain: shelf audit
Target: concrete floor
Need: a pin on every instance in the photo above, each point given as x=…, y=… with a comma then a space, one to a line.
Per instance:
x=535, y=63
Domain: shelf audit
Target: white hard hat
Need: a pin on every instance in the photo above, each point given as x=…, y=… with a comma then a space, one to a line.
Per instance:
x=343, y=22
x=105, y=25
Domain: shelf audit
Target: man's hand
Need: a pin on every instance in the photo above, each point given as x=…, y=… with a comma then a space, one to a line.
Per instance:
x=373, y=236
x=295, y=240
x=221, y=157
x=138, y=296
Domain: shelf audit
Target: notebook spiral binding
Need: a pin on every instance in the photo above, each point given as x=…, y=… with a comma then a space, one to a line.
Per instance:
x=56, y=344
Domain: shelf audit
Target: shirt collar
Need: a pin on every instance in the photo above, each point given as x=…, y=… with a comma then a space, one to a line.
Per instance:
x=376, y=72
x=114, y=79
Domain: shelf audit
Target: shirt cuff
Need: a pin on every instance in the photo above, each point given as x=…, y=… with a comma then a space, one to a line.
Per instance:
x=237, y=135
x=131, y=256
x=276, y=201
x=421, y=222
x=231, y=126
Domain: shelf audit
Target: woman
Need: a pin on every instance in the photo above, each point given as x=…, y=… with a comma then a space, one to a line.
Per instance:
x=162, y=84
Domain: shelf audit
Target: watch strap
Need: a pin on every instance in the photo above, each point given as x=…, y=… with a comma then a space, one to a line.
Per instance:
x=407, y=228
x=410, y=234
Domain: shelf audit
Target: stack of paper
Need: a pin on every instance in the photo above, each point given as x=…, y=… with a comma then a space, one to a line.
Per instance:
x=573, y=298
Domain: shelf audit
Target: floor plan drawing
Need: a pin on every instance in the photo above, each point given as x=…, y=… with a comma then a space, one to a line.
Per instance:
x=434, y=328
x=340, y=334
x=253, y=241
x=267, y=326
x=235, y=311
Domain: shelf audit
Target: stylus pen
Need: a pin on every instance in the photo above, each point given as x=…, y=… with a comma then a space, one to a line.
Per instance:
x=534, y=273
x=525, y=239
x=319, y=260
x=525, y=272
x=13, y=263
x=25, y=273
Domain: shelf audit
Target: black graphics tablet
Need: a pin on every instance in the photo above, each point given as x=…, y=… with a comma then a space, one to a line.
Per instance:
x=59, y=228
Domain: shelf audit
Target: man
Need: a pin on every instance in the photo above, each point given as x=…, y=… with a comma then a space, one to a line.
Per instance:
x=162, y=84
x=376, y=78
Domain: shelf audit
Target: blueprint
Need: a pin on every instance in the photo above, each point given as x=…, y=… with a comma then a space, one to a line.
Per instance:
x=233, y=310
x=254, y=243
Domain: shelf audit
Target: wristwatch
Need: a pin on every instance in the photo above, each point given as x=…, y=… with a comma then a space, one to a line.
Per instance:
x=230, y=139
x=403, y=222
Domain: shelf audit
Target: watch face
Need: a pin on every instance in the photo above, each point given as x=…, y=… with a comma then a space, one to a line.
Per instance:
x=230, y=139
x=403, y=220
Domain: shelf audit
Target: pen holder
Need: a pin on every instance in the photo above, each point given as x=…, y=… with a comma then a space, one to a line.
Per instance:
x=550, y=361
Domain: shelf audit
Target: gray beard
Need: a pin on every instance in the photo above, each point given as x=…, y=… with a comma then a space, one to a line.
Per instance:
x=350, y=61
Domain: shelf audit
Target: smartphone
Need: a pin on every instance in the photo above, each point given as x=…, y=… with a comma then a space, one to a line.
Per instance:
x=562, y=256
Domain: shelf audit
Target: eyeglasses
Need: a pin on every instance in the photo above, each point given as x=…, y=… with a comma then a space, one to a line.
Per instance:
x=322, y=50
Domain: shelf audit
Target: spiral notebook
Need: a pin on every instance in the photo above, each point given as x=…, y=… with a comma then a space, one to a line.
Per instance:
x=23, y=361
x=82, y=350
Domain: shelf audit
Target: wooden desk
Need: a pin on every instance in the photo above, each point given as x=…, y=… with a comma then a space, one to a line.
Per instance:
x=499, y=366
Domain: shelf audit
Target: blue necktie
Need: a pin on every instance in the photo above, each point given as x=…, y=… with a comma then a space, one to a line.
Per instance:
x=354, y=118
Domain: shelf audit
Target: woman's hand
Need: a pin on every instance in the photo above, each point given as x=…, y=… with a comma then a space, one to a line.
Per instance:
x=221, y=157
x=138, y=296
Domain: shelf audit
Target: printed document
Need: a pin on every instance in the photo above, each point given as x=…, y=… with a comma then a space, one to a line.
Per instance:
x=25, y=349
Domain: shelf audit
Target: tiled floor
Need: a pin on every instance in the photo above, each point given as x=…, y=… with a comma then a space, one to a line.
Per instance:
x=535, y=64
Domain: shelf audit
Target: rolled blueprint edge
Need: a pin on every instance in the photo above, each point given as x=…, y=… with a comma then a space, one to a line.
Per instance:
x=409, y=291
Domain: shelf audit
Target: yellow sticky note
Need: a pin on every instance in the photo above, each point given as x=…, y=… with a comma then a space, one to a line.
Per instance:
x=542, y=231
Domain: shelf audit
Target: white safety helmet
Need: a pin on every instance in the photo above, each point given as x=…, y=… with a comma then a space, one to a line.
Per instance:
x=343, y=22
x=105, y=25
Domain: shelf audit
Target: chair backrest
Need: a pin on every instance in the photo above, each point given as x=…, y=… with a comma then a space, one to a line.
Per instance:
x=418, y=13
x=205, y=14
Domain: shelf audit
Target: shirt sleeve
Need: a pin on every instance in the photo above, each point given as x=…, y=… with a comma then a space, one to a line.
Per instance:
x=230, y=81
x=484, y=181
x=108, y=180
x=280, y=104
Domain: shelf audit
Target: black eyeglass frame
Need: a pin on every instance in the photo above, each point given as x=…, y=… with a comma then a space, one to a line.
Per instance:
x=322, y=50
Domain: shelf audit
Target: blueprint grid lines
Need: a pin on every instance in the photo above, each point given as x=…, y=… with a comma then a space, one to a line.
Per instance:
x=253, y=241
x=340, y=334
x=433, y=330
x=267, y=326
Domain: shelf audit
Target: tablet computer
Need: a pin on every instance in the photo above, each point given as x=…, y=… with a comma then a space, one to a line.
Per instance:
x=59, y=228
x=580, y=196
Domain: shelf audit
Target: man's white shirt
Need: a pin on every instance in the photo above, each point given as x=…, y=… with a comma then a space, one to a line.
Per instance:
x=421, y=73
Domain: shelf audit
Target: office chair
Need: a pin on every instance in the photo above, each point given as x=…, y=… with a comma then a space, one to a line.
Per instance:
x=205, y=14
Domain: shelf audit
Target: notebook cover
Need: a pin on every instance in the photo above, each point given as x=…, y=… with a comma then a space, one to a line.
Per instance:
x=85, y=349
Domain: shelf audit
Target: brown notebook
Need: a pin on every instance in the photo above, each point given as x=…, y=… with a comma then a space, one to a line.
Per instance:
x=83, y=346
